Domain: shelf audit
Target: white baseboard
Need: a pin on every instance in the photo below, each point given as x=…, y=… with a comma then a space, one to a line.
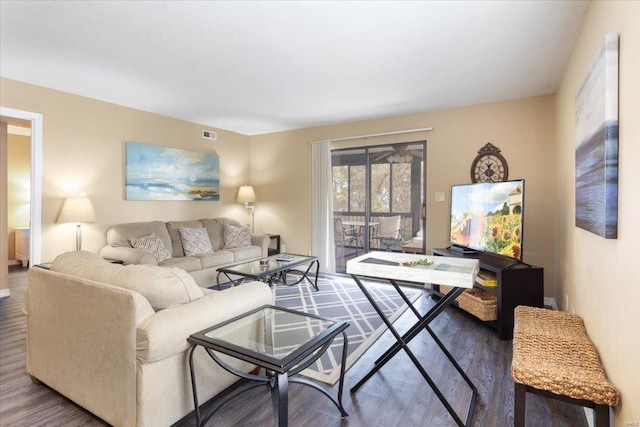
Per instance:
x=13, y=262
x=5, y=293
x=550, y=302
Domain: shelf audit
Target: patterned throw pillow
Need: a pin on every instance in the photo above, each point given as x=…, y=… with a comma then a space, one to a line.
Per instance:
x=152, y=244
x=195, y=241
x=236, y=237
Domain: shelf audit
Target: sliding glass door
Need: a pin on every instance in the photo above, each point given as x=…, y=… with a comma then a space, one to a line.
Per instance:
x=378, y=199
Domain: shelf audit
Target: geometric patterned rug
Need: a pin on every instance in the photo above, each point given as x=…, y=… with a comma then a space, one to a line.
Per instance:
x=340, y=298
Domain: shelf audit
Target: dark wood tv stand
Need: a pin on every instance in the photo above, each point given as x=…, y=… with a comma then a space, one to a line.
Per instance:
x=518, y=284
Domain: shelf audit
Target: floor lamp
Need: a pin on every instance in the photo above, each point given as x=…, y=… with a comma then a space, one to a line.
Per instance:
x=77, y=209
x=247, y=196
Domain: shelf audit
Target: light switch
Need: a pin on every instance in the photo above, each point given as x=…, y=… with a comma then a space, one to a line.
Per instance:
x=439, y=196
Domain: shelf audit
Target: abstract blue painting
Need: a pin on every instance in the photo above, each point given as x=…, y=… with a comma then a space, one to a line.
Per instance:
x=162, y=173
x=597, y=144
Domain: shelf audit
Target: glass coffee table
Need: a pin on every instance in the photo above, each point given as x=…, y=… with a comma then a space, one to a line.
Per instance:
x=259, y=337
x=273, y=269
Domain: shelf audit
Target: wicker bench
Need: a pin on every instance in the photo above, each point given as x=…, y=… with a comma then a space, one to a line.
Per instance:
x=554, y=357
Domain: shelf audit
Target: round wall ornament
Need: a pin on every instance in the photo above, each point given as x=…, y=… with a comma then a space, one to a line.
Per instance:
x=489, y=165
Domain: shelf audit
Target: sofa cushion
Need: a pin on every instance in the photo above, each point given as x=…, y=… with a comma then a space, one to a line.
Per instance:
x=215, y=229
x=152, y=244
x=215, y=259
x=166, y=333
x=188, y=263
x=163, y=287
x=245, y=253
x=236, y=237
x=195, y=241
x=119, y=235
x=173, y=228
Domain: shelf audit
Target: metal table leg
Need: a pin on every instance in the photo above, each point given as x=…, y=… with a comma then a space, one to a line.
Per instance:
x=305, y=275
x=402, y=344
x=278, y=384
x=280, y=398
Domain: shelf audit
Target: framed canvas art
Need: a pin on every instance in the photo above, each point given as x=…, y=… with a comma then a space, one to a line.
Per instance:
x=162, y=173
x=597, y=144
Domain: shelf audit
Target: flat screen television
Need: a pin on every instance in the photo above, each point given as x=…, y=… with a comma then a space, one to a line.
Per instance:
x=488, y=217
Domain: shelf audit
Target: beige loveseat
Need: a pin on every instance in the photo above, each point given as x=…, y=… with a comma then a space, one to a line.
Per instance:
x=113, y=338
x=202, y=267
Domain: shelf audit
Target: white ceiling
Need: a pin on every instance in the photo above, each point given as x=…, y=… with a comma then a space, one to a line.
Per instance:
x=263, y=66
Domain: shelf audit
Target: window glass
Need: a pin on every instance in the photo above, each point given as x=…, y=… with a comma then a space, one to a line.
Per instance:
x=381, y=187
x=340, y=188
x=357, y=191
x=401, y=173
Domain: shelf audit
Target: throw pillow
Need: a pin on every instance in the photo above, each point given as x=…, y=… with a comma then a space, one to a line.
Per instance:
x=152, y=244
x=195, y=241
x=236, y=237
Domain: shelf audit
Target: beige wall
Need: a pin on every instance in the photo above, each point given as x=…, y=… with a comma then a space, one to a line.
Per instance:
x=597, y=274
x=522, y=129
x=84, y=151
x=18, y=185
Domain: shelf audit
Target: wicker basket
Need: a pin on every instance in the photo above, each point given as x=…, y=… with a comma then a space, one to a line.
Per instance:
x=444, y=289
x=481, y=304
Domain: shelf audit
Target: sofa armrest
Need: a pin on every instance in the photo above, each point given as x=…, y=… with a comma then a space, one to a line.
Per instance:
x=128, y=255
x=81, y=341
x=166, y=333
x=262, y=241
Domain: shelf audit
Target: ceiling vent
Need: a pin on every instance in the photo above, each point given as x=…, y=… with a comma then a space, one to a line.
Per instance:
x=209, y=134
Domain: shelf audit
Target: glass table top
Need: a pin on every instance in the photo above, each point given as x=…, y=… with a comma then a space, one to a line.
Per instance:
x=272, y=335
x=272, y=264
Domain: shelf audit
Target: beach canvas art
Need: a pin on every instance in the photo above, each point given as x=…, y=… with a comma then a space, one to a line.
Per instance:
x=597, y=144
x=162, y=173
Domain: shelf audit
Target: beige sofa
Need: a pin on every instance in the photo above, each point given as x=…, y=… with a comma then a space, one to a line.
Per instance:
x=201, y=267
x=113, y=338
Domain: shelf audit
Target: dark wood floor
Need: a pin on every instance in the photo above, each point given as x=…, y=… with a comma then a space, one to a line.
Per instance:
x=396, y=396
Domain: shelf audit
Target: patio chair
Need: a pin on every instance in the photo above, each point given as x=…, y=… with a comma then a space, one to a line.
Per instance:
x=389, y=232
x=342, y=238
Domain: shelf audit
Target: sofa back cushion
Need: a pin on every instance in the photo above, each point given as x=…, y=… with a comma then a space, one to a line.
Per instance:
x=119, y=235
x=163, y=287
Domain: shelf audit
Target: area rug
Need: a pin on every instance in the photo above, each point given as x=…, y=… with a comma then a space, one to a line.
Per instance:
x=340, y=298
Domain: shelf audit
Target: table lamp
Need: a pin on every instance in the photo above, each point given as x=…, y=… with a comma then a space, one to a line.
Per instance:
x=77, y=209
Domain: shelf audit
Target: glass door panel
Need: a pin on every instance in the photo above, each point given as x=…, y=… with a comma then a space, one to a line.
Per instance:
x=372, y=187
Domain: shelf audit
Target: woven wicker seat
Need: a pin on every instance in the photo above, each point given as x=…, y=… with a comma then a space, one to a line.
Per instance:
x=553, y=356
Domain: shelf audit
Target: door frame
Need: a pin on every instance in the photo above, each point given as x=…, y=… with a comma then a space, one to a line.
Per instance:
x=36, y=120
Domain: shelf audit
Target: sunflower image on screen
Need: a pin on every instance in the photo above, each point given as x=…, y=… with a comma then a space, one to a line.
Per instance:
x=488, y=217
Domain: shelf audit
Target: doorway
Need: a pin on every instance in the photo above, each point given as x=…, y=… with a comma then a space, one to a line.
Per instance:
x=378, y=199
x=34, y=121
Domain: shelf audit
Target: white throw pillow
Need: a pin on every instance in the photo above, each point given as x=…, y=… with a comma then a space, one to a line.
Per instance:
x=152, y=244
x=195, y=241
x=236, y=237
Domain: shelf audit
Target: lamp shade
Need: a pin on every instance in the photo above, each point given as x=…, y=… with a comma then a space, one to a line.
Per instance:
x=77, y=209
x=246, y=194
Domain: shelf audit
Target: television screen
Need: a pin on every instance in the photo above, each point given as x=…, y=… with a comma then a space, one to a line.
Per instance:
x=489, y=217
